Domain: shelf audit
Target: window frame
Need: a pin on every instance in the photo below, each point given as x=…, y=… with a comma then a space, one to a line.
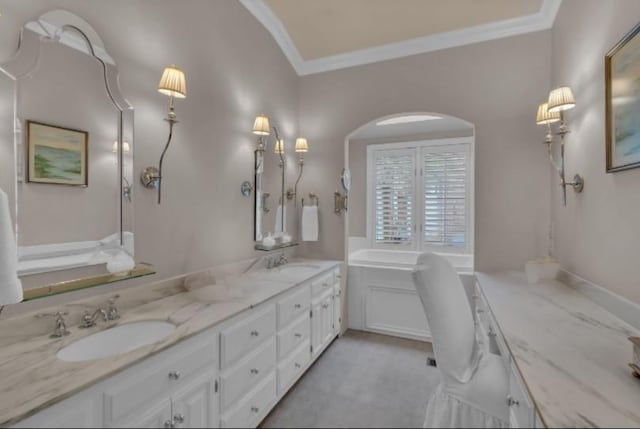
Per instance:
x=418, y=242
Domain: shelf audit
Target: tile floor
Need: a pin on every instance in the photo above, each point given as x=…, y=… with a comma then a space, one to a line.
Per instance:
x=361, y=380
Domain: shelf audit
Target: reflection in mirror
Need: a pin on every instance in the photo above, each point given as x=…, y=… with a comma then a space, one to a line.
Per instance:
x=270, y=199
x=68, y=134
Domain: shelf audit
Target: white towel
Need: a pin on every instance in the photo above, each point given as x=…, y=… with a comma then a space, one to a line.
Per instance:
x=281, y=214
x=10, y=285
x=309, y=223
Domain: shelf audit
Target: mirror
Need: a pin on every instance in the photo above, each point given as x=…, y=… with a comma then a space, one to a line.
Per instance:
x=67, y=140
x=270, y=200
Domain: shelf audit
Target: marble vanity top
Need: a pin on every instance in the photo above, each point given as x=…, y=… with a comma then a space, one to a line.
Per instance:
x=573, y=354
x=33, y=378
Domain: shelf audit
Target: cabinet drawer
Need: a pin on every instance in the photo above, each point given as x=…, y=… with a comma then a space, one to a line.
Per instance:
x=294, y=335
x=246, y=335
x=292, y=306
x=160, y=374
x=521, y=410
x=253, y=408
x=242, y=378
x=291, y=369
x=326, y=281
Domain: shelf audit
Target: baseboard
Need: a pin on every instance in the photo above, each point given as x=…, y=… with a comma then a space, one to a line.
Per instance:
x=622, y=307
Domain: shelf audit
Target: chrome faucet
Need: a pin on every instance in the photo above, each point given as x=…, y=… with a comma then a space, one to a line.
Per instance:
x=283, y=259
x=110, y=313
x=60, y=329
x=89, y=320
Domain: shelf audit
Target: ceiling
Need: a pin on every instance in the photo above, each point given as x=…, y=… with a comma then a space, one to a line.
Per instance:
x=322, y=35
x=330, y=27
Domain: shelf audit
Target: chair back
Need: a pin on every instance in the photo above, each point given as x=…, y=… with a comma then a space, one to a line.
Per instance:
x=449, y=316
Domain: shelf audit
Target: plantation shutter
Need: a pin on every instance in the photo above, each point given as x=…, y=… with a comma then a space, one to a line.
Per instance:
x=394, y=199
x=446, y=202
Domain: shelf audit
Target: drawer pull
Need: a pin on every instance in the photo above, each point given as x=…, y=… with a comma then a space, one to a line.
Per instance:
x=338, y=276
x=479, y=311
x=255, y=333
x=297, y=306
x=169, y=424
x=178, y=418
x=297, y=335
x=255, y=409
x=174, y=375
x=512, y=402
x=325, y=306
x=297, y=365
x=254, y=371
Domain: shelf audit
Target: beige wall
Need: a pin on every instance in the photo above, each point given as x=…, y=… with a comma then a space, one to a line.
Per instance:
x=494, y=85
x=597, y=236
x=234, y=71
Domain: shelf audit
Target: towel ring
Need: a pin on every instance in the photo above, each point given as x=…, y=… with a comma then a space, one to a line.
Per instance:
x=312, y=197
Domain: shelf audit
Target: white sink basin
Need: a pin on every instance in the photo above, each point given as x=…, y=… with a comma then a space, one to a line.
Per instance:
x=297, y=268
x=117, y=340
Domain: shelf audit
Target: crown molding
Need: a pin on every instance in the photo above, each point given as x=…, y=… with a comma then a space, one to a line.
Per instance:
x=542, y=20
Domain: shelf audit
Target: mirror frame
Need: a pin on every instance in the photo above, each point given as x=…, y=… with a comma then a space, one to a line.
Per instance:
x=68, y=29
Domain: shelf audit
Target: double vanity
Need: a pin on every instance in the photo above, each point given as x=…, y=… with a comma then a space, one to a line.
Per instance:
x=219, y=355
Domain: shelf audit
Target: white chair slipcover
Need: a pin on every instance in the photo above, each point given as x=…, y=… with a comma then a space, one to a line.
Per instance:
x=474, y=384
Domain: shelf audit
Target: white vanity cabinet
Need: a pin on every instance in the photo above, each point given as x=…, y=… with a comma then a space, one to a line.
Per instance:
x=323, y=310
x=248, y=355
x=174, y=388
x=231, y=375
x=522, y=413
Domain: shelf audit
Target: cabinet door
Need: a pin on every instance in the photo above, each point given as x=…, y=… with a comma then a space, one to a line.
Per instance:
x=197, y=404
x=316, y=326
x=327, y=320
x=158, y=416
x=337, y=309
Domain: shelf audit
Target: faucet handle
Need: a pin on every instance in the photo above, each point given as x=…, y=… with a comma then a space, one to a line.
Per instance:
x=112, y=310
x=61, y=327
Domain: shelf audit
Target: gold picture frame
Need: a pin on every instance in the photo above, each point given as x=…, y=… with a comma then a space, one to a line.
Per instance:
x=622, y=98
x=57, y=155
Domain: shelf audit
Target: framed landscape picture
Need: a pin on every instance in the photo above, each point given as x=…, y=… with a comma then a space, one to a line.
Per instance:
x=56, y=155
x=622, y=88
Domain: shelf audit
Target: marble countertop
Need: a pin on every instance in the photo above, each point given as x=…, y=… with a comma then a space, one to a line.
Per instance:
x=33, y=378
x=572, y=354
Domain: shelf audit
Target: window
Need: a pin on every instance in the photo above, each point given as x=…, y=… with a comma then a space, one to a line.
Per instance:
x=420, y=195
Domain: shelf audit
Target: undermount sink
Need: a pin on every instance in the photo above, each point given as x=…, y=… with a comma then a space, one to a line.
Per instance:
x=117, y=340
x=297, y=268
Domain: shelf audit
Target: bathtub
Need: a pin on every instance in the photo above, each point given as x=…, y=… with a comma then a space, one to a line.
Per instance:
x=381, y=295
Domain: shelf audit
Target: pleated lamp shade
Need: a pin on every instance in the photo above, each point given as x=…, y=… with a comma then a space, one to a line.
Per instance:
x=544, y=116
x=302, y=145
x=173, y=83
x=561, y=99
x=279, y=148
x=261, y=126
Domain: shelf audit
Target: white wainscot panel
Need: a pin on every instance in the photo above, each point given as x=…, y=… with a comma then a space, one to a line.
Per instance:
x=396, y=311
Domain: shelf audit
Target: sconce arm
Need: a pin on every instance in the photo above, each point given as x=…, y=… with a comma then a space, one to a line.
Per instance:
x=164, y=152
x=553, y=161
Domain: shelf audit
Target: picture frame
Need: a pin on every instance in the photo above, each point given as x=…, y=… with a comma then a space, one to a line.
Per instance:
x=57, y=155
x=622, y=98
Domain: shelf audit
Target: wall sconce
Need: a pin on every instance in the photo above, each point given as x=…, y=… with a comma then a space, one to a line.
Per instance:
x=172, y=83
x=302, y=147
x=560, y=99
x=262, y=129
x=126, y=147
